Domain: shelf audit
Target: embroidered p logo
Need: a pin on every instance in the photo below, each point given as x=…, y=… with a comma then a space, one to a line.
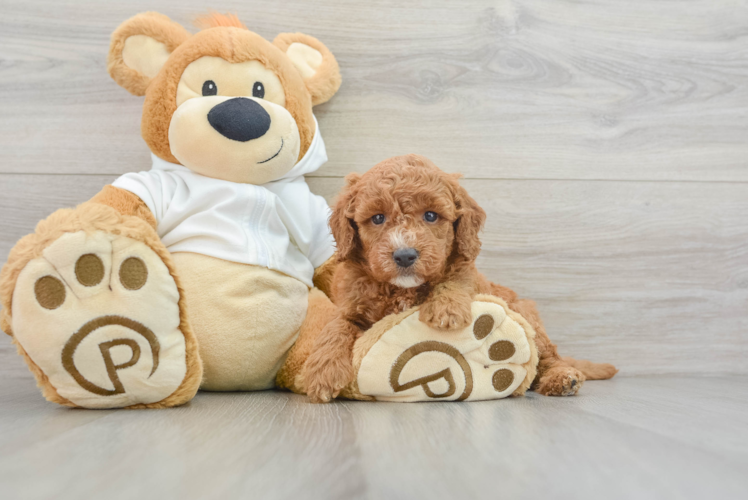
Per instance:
x=424, y=381
x=68, y=352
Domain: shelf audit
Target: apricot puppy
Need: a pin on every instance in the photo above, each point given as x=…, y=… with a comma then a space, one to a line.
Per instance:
x=407, y=235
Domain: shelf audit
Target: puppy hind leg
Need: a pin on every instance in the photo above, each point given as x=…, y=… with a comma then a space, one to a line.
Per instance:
x=556, y=377
x=591, y=370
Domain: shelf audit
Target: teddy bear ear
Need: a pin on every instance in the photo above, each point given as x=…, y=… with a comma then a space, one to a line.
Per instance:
x=140, y=47
x=314, y=62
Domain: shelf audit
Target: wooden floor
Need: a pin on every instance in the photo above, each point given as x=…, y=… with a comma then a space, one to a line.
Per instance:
x=629, y=438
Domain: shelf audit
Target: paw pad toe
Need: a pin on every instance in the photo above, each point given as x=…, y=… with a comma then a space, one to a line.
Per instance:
x=502, y=379
x=89, y=270
x=133, y=273
x=49, y=292
x=483, y=326
x=501, y=350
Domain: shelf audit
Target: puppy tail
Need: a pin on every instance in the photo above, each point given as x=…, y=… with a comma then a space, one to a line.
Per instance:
x=593, y=371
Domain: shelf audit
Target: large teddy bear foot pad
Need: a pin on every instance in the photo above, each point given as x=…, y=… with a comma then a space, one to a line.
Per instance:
x=98, y=315
x=494, y=357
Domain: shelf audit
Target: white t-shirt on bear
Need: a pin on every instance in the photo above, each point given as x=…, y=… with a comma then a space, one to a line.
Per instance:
x=280, y=225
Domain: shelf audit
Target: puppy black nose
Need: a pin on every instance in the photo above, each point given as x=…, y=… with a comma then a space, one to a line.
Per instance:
x=405, y=257
x=239, y=119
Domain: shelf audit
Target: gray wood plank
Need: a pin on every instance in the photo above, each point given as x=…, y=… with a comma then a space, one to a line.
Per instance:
x=651, y=276
x=542, y=89
x=633, y=437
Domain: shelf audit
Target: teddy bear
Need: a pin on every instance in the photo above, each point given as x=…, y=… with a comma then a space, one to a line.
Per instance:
x=210, y=270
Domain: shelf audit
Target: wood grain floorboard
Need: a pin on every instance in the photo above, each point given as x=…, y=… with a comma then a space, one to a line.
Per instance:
x=636, y=437
x=542, y=89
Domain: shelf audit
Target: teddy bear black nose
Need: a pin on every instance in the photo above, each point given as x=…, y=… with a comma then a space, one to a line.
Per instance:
x=405, y=257
x=239, y=119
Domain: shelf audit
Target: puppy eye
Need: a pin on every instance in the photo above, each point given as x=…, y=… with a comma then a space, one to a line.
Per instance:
x=258, y=90
x=430, y=216
x=209, y=88
x=378, y=219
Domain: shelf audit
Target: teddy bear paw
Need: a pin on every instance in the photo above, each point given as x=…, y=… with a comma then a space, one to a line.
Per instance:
x=99, y=314
x=493, y=357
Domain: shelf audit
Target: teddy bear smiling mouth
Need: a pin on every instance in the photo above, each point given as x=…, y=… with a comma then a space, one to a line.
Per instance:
x=276, y=154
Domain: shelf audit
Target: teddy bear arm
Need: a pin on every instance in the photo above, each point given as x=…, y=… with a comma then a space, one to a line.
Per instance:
x=124, y=202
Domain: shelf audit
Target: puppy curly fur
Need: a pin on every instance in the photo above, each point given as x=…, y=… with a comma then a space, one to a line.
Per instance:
x=368, y=284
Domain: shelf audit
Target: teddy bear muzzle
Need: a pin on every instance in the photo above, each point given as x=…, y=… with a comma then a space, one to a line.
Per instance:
x=234, y=138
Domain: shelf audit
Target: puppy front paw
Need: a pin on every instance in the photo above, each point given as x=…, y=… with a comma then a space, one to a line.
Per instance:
x=325, y=381
x=444, y=312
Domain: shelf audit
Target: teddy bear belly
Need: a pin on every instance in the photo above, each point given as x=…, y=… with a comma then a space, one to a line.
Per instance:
x=245, y=318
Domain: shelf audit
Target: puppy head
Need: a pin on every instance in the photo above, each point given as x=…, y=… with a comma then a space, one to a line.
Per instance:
x=405, y=220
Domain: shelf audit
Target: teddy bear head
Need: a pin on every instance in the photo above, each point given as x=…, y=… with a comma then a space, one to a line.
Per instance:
x=224, y=102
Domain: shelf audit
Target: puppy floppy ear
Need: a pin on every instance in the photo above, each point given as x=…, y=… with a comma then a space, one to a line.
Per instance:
x=140, y=47
x=469, y=222
x=343, y=227
x=314, y=62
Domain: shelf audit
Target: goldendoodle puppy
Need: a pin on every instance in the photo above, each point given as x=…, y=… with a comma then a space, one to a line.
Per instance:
x=407, y=235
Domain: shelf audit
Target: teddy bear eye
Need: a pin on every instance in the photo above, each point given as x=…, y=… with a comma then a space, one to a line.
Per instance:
x=378, y=219
x=258, y=90
x=209, y=88
x=430, y=216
